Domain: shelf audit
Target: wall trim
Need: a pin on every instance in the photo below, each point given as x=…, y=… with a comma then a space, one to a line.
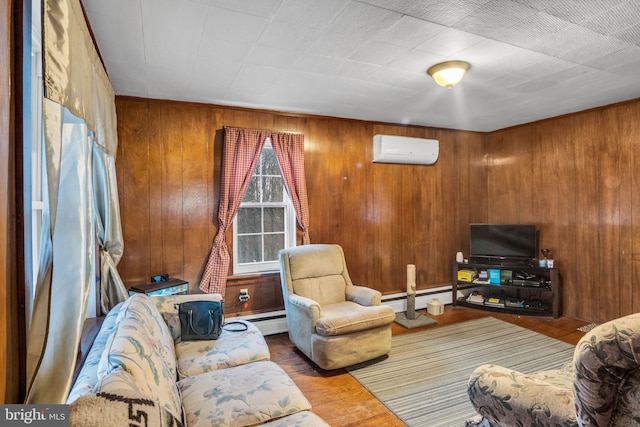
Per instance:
x=275, y=322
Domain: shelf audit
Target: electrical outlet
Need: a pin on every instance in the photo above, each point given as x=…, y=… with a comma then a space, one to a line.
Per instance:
x=244, y=295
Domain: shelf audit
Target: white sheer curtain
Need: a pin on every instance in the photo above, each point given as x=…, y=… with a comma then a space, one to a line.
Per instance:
x=81, y=202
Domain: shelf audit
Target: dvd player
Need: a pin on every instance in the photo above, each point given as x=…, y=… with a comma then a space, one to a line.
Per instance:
x=522, y=282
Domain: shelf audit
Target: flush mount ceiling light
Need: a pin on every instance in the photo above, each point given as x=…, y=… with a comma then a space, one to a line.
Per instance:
x=449, y=73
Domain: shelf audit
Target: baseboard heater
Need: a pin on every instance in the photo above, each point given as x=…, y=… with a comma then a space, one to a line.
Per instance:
x=399, y=301
x=275, y=322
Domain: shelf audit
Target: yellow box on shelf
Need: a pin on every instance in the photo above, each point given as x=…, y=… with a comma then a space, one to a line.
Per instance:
x=466, y=275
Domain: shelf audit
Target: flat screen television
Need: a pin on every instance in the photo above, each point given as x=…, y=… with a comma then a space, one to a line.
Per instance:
x=503, y=243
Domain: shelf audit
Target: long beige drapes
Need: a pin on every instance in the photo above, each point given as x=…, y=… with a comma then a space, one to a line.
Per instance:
x=64, y=276
x=80, y=202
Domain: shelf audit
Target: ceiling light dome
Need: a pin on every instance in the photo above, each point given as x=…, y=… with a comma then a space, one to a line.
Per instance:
x=449, y=73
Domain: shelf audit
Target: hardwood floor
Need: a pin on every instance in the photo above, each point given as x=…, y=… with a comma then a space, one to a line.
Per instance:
x=338, y=398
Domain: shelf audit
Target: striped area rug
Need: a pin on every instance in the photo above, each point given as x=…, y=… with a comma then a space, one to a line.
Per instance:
x=424, y=379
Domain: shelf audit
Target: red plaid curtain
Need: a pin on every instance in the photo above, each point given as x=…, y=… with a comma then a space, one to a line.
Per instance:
x=289, y=148
x=241, y=152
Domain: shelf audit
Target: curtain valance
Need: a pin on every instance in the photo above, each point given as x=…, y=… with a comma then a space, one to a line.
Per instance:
x=267, y=133
x=73, y=72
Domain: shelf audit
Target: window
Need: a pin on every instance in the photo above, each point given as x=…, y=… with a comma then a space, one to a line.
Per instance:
x=33, y=151
x=266, y=219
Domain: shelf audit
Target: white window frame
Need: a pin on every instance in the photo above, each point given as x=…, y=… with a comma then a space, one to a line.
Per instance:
x=289, y=234
x=36, y=167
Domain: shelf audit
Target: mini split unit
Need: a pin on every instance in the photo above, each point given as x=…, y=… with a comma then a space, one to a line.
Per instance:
x=403, y=149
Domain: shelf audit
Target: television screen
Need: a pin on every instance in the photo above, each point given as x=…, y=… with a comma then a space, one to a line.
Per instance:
x=503, y=241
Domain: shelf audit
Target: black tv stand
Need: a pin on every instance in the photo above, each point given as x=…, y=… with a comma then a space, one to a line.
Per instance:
x=527, y=290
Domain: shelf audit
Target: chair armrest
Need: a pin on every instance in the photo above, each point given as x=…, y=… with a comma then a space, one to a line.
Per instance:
x=305, y=305
x=363, y=295
x=607, y=367
x=508, y=397
x=302, y=315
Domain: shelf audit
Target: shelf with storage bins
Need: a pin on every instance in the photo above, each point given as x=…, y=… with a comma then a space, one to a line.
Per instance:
x=523, y=290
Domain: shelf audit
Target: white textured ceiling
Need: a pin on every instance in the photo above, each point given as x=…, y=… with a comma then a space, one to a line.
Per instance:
x=366, y=59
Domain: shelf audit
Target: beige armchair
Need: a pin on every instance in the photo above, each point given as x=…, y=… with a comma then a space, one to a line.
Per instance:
x=333, y=322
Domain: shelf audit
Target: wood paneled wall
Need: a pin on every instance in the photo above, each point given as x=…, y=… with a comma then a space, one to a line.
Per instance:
x=575, y=176
x=385, y=216
x=578, y=178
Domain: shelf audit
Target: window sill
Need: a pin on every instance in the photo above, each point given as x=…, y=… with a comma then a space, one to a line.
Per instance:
x=251, y=277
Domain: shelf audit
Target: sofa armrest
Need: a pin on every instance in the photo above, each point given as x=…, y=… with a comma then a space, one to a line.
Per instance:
x=508, y=397
x=166, y=303
x=87, y=377
x=117, y=409
x=363, y=295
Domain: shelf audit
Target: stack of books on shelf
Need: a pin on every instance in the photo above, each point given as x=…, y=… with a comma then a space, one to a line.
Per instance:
x=475, y=298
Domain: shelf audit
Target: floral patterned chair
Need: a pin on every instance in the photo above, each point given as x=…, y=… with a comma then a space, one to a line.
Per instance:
x=600, y=388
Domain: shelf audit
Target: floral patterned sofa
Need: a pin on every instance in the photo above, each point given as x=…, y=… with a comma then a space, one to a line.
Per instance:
x=139, y=373
x=601, y=387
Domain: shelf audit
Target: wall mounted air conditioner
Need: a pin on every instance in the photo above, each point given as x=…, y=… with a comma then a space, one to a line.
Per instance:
x=404, y=149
